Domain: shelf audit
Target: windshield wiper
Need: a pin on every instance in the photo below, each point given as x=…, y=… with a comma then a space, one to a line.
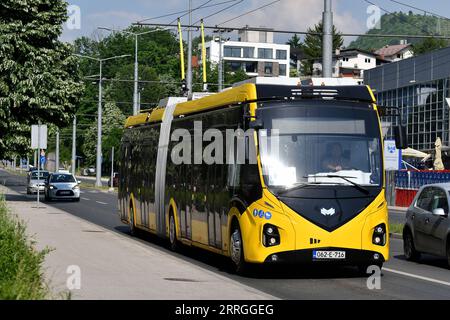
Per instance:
x=300, y=186
x=356, y=185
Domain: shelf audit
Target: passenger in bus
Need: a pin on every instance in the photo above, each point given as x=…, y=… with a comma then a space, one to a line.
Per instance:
x=334, y=160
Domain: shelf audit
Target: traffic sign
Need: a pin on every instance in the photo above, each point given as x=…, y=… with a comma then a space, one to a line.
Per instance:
x=41, y=131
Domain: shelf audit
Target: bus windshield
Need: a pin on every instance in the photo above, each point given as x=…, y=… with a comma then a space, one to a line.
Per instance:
x=320, y=143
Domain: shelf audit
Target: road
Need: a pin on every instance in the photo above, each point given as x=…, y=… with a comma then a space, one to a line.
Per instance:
x=429, y=279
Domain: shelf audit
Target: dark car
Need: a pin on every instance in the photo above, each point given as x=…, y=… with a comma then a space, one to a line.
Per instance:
x=427, y=227
x=115, y=180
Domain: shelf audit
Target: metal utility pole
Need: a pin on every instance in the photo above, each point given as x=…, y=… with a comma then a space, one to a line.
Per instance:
x=136, y=104
x=189, y=60
x=98, y=169
x=112, y=168
x=74, y=144
x=220, y=63
x=39, y=163
x=57, y=151
x=136, y=77
x=327, y=44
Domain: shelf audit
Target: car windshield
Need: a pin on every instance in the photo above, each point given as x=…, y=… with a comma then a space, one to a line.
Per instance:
x=320, y=143
x=62, y=178
x=42, y=175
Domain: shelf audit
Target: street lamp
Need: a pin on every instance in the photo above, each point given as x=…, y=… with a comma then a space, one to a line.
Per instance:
x=98, y=169
x=136, y=63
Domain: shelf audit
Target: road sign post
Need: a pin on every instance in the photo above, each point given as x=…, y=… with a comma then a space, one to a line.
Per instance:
x=39, y=142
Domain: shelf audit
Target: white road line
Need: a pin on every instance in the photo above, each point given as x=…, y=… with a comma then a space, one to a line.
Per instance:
x=87, y=199
x=417, y=276
x=101, y=202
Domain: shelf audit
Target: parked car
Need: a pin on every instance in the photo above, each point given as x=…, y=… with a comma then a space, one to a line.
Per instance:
x=35, y=182
x=89, y=171
x=62, y=186
x=427, y=227
x=115, y=180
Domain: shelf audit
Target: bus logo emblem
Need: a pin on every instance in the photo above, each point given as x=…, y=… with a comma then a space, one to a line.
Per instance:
x=328, y=212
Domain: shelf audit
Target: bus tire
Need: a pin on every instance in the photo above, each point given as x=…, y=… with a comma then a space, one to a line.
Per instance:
x=239, y=265
x=173, y=241
x=132, y=223
x=409, y=249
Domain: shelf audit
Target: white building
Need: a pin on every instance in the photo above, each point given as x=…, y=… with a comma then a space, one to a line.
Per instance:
x=396, y=52
x=349, y=63
x=254, y=52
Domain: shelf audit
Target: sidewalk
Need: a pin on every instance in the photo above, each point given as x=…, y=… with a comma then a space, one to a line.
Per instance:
x=114, y=266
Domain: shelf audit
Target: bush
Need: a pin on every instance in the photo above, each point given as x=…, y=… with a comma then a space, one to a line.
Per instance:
x=21, y=276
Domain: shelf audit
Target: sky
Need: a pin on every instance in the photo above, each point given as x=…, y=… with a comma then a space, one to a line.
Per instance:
x=350, y=16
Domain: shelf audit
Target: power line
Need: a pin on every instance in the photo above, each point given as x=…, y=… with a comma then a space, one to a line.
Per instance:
x=220, y=11
x=369, y=35
x=403, y=18
x=419, y=9
x=251, y=11
x=185, y=12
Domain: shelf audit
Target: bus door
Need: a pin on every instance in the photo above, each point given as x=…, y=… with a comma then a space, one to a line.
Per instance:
x=124, y=177
x=215, y=206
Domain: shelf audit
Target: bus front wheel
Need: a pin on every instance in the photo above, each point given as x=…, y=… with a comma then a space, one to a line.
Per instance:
x=237, y=251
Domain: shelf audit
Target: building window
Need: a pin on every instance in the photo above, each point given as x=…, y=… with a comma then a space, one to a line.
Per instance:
x=249, y=52
x=251, y=66
x=283, y=69
x=268, y=68
x=232, y=52
x=264, y=53
x=208, y=53
x=345, y=59
x=234, y=66
x=281, y=54
x=367, y=60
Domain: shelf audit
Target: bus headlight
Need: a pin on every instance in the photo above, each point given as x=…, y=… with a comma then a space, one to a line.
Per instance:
x=379, y=235
x=271, y=236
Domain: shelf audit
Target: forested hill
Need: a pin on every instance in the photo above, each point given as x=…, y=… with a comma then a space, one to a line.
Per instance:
x=403, y=23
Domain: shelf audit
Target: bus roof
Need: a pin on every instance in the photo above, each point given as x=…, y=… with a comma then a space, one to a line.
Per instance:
x=250, y=92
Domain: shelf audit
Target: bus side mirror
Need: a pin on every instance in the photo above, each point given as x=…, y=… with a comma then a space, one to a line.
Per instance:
x=401, y=138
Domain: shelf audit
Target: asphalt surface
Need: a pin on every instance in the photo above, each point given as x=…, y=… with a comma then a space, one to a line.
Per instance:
x=428, y=279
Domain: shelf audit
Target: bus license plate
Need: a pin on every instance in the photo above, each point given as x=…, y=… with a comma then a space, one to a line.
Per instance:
x=328, y=254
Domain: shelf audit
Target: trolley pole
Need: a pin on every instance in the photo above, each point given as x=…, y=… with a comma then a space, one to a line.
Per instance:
x=189, y=60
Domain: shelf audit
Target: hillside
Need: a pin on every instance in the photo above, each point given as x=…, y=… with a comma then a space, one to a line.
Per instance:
x=402, y=23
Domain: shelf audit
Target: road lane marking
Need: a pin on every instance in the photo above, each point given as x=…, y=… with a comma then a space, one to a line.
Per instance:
x=417, y=276
x=101, y=202
x=87, y=199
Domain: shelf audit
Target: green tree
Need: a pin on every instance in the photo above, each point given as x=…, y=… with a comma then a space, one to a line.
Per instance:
x=313, y=45
x=113, y=121
x=429, y=44
x=39, y=78
x=295, y=41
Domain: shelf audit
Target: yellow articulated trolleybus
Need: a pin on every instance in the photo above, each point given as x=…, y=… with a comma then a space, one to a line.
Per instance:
x=314, y=194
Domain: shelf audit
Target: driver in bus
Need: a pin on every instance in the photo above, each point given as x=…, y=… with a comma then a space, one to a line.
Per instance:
x=335, y=160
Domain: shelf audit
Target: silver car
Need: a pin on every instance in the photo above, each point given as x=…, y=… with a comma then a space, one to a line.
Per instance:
x=34, y=182
x=427, y=227
x=62, y=186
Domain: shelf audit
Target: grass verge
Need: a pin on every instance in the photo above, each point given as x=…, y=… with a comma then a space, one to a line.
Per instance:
x=396, y=228
x=21, y=275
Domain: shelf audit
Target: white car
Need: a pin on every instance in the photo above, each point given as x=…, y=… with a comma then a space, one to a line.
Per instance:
x=62, y=186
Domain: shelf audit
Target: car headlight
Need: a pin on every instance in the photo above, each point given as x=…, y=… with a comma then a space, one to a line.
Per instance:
x=379, y=235
x=76, y=188
x=53, y=188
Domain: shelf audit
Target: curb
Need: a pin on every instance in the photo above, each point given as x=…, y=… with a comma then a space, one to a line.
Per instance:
x=396, y=235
